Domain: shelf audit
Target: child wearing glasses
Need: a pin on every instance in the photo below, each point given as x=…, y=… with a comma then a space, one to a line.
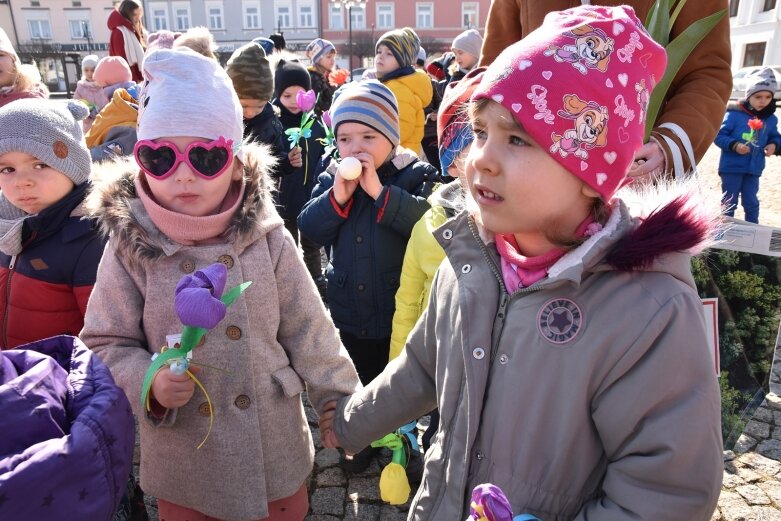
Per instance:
x=196, y=195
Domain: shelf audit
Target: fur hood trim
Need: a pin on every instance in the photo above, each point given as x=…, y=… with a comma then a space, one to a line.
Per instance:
x=122, y=218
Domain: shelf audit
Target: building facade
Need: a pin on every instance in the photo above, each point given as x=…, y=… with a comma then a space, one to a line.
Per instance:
x=755, y=32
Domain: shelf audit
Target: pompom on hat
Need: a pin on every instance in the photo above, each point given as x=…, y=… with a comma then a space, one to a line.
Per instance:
x=168, y=107
x=369, y=103
x=579, y=85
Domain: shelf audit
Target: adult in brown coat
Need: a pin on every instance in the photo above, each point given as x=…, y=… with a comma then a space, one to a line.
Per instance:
x=697, y=98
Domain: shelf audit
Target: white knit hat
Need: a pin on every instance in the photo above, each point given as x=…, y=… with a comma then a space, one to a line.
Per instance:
x=90, y=61
x=469, y=41
x=6, y=46
x=187, y=94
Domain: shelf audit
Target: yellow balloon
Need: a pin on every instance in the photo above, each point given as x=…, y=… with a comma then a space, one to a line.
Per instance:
x=394, y=486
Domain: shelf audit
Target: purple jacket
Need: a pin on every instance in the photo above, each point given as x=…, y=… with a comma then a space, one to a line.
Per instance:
x=66, y=433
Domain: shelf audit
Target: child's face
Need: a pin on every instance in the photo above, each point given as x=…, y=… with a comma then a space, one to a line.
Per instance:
x=88, y=72
x=384, y=61
x=354, y=138
x=328, y=61
x=7, y=70
x=288, y=98
x=30, y=184
x=761, y=99
x=186, y=192
x=518, y=187
x=252, y=107
x=464, y=59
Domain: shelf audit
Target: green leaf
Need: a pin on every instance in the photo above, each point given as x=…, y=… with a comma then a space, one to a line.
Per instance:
x=676, y=12
x=292, y=131
x=677, y=52
x=658, y=22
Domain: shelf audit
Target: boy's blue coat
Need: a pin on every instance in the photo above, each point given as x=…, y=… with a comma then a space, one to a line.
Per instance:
x=734, y=128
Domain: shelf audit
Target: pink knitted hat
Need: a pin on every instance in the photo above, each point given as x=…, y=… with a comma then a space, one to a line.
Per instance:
x=111, y=70
x=580, y=86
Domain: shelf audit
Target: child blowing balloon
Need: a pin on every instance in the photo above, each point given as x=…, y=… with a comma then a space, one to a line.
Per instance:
x=545, y=387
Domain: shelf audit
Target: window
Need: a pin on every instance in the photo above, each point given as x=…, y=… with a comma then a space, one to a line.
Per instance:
x=755, y=54
x=305, y=16
x=470, y=15
x=733, y=7
x=385, y=16
x=769, y=5
x=39, y=29
x=335, y=18
x=283, y=16
x=158, y=14
x=214, y=15
x=425, y=16
x=79, y=29
x=181, y=15
x=358, y=17
x=251, y=14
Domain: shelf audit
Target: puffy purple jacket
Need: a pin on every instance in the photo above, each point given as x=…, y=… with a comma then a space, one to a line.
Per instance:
x=66, y=433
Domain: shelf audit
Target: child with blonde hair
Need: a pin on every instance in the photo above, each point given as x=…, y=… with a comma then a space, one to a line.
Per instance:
x=545, y=388
x=17, y=81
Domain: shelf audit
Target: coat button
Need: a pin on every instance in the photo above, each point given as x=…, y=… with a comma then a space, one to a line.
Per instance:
x=242, y=401
x=361, y=287
x=204, y=409
x=233, y=332
x=466, y=268
x=478, y=353
x=447, y=235
x=503, y=359
x=359, y=239
x=479, y=455
x=187, y=266
x=227, y=260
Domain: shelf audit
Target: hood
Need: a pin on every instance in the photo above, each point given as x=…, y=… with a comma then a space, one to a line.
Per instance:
x=450, y=195
x=116, y=20
x=122, y=217
x=420, y=84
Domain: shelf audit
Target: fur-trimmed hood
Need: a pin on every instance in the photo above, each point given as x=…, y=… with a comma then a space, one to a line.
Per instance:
x=124, y=220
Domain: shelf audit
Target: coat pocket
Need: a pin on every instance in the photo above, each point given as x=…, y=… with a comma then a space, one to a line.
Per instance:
x=288, y=379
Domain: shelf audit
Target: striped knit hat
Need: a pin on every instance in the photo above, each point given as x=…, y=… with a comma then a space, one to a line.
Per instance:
x=403, y=43
x=369, y=103
x=318, y=48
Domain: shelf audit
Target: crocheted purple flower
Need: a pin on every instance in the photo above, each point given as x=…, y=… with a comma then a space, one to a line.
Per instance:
x=198, y=295
x=489, y=504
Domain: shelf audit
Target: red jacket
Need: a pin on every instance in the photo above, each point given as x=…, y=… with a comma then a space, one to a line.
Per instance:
x=116, y=45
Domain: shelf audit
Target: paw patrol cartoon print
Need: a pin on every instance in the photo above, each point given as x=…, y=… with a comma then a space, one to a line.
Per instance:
x=589, y=128
x=591, y=50
x=643, y=98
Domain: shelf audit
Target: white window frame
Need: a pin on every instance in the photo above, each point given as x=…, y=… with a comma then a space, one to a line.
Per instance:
x=470, y=8
x=303, y=22
x=336, y=17
x=76, y=22
x=287, y=21
x=386, y=10
x=211, y=17
x=358, y=14
x=158, y=13
x=177, y=16
x=246, y=16
x=38, y=23
x=430, y=6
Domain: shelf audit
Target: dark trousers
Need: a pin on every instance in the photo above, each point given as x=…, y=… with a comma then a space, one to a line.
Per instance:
x=370, y=355
x=745, y=186
x=311, y=249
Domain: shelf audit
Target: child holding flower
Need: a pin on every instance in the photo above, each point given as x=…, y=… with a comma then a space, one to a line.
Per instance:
x=748, y=134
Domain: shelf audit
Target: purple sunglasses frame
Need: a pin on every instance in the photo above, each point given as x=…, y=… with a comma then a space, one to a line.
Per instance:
x=183, y=156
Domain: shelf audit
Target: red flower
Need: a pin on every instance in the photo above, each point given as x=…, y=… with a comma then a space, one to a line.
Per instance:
x=755, y=124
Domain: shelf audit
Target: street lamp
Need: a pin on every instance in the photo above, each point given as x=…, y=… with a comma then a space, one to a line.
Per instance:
x=349, y=4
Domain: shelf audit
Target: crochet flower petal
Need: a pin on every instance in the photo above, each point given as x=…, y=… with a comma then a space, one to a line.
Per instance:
x=198, y=308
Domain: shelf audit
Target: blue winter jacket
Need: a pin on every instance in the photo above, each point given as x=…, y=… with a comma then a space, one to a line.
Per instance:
x=735, y=129
x=67, y=434
x=368, y=240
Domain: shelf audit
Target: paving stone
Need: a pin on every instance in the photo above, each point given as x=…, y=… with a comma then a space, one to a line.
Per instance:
x=757, y=429
x=328, y=500
x=753, y=495
x=748, y=475
x=361, y=512
x=744, y=444
x=316, y=517
x=390, y=513
x=326, y=458
x=771, y=449
x=777, y=418
x=311, y=416
x=729, y=455
x=764, y=414
x=716, y=516
x=764, y=514
x=363, y=489
x=733, y=507
x=776, y=435
x=773, y=401
x=316, y=438
x=773, y=491
x=761, y=464
x=732, y=480
x=333, y=477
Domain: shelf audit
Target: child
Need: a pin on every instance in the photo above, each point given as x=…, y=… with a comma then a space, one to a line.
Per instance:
x=180, y=213
x=67, y=443
x=744, y=148
x=17, y=81
x=322, y=54
x=199, y=39
x=250, y=72
x=295, y=190
x=114, y=132
x=466, y=48
x=367, y=222
x=396, y=52
x=49, y=251
x=564, y=339
x=112, y=73
x=89, y=92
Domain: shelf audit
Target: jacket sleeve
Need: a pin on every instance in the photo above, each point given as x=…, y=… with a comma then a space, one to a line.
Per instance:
x=85, y=271
x=502, y=29
x=724, y=139
x=400, y=209
x=663, y=442
x=773, y=135
x=319, y=220
x=306, y=331
x=411, y=135
x=699, y=92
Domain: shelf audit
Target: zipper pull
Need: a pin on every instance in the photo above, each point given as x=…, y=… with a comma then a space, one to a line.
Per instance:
x=12, y=263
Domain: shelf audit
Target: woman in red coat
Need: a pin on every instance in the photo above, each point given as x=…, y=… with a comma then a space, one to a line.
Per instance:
x=127, y=35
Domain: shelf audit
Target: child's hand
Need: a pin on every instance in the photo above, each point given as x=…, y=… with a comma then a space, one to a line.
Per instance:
x=369, y=180
x=171, y=390
x=294, y=156
x=770, y=149
x=326, y=423
x=742, y=149
x=344, y=189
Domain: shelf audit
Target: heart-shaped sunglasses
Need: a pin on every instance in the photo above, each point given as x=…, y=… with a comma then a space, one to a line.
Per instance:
x=161, y=159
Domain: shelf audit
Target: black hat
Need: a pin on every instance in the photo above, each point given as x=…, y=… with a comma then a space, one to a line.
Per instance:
x=288, y=74
x=279, y=41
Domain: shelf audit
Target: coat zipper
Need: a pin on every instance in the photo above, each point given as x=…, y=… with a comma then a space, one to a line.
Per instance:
x=11, y=265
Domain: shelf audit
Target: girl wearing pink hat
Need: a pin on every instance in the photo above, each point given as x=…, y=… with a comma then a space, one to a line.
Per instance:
x=563, y=340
